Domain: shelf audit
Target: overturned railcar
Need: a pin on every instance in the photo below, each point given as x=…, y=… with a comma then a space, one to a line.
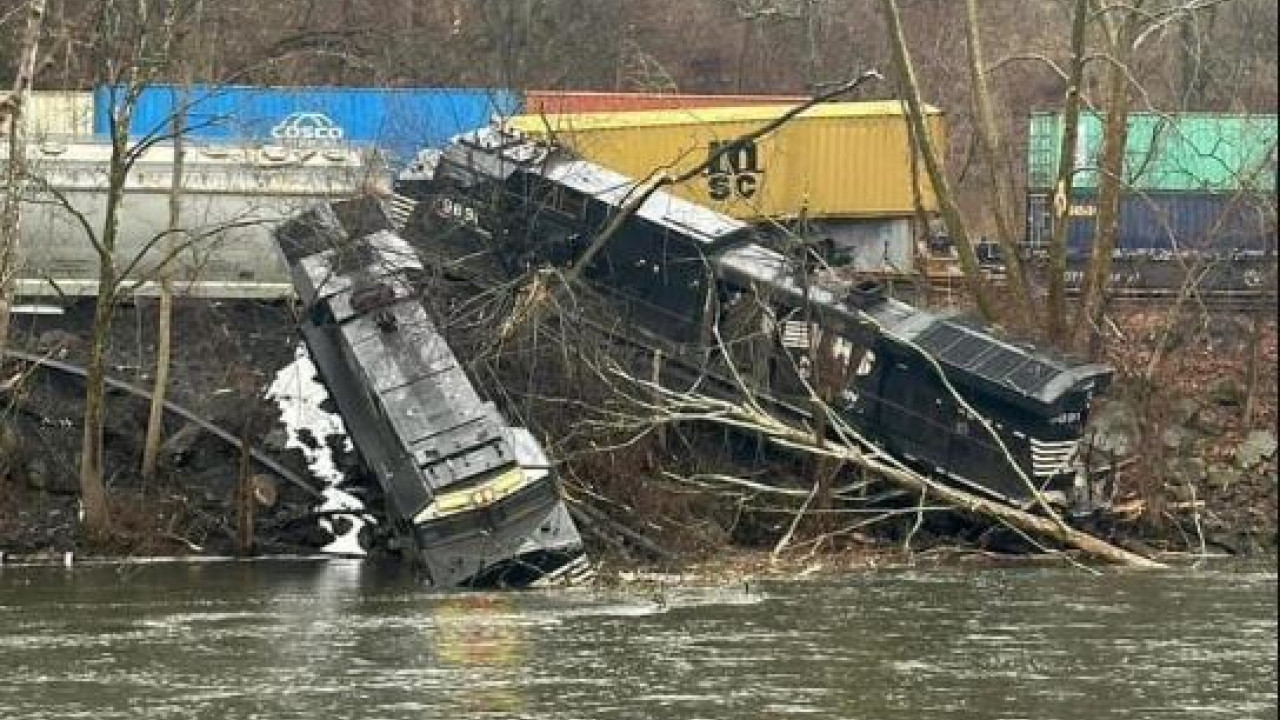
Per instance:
x=940, y=393
x=473, y=500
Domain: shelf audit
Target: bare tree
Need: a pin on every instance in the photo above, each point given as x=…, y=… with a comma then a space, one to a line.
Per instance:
x=1121, y=22
x=997, y=164
x=12, y=107
x=1063, y=187
x=137, y=42
x=164, y=320
x=950, y=210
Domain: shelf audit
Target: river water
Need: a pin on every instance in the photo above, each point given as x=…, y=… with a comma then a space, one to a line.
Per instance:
x=346, y=640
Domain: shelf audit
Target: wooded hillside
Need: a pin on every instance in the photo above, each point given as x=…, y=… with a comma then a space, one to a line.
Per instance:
x=1196, y=54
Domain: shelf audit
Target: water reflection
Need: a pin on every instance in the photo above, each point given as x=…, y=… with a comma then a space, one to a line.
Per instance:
x=481, y=637
x=300, y=641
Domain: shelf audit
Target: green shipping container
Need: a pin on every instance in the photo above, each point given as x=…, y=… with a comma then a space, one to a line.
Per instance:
x=1194, y=152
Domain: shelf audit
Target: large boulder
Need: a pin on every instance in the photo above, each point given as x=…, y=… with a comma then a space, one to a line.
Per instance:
x=1182, y=473
x=1257, y=446
x=1223, y=476
x=1116, y=428
x=1177, y=438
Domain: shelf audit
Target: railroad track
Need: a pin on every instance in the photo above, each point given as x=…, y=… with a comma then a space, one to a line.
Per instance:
x=1213, y=300
x=942, y=285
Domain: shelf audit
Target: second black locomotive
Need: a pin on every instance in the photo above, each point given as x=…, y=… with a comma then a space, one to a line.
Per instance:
x=941, y=393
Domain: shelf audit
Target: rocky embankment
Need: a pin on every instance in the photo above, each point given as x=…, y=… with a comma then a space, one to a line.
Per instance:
x=1199, y=476
x=1198, y=468
x=225, y=358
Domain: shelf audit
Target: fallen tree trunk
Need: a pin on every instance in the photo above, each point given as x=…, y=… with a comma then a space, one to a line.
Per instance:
x=1064, y=534
x=679, y=406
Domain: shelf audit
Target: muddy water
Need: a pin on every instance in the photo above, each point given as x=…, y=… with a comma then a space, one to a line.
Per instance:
x=339, y=640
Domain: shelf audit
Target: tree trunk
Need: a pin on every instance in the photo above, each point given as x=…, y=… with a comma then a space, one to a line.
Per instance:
x=1063, y=187
x=1111, y=180
x=16, y=168
x=1008, y=514
x=155, y=417
x=97, y=518
x=244, y=496
x=951, y=216
x=93, y=493
x=1064, y=534
x=801, y=439
x=1193, y=75
x=164, y=323
x=1252, y=376
x=998, y=172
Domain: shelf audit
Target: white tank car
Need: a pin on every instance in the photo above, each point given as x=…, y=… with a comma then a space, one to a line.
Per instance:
x=232, y=197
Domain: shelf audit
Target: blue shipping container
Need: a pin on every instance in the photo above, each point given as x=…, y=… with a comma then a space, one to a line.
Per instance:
x=400, y=121
x=1220, y=224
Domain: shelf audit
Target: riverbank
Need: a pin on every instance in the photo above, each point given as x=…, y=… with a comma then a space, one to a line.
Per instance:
x=1200, y=425
x=1201, y=478
x=225, y=356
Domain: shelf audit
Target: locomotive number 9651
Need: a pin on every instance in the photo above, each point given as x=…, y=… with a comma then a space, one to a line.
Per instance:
x=458, y=212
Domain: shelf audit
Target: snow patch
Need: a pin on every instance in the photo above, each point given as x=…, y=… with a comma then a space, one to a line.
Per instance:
x=347, y=543
x=298, y=393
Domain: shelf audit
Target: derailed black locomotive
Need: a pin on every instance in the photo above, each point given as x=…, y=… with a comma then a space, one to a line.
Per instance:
x=942, y=394
x=473, y=501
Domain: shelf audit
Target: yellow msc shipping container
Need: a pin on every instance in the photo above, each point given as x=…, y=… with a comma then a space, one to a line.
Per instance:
x=836, y=160
x=60, y=113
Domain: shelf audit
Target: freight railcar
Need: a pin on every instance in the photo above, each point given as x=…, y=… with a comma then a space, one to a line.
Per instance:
x=559, y=102
x=680, y=274
x=842, y=167
x=396, y=120
x=1223, y=242
x=473, y=500
x=231, y=196
x=61, y=114
x=1199, y=199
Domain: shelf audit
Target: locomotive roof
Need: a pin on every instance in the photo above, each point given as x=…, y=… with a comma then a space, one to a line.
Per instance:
x=1026, y=370
x=1021, y=374
x=498, y=155
x=661, y=208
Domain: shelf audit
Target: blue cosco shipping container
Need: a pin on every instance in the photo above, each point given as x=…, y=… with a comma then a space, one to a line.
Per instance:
x=1221, y=224
x=400, y=121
